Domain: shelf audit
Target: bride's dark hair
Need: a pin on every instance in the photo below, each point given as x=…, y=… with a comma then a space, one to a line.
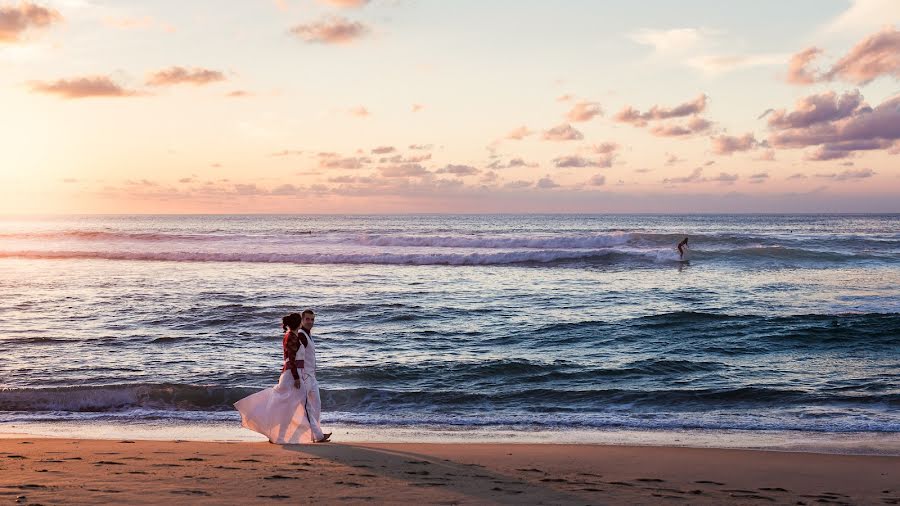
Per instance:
x=291, y=321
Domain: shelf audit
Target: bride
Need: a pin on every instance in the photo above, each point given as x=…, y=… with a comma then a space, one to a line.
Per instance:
x=280, y=412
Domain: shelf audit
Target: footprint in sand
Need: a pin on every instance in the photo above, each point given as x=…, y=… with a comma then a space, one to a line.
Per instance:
x=774, y=489
x=349, y=483
x=422, y=473
x=279, y=477
x=650, y=480
x=530, y=470
x=275, y=496
x=709, y=482
x=108, y=463
x=191, y=492
x=193, y=459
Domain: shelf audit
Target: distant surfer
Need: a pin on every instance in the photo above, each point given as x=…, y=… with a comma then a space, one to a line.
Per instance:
x=683, y=244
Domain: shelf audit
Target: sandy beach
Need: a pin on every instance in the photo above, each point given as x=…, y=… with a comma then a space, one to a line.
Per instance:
x=79, y=471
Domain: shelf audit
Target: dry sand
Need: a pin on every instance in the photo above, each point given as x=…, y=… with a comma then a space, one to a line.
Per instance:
x=66, y=471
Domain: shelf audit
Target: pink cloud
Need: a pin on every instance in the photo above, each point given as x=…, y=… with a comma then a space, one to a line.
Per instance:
x=847, y=124
x=817, y=109
x=16, y=20
x=417, y=107
x=576, y=162
x=287, y=152
x=519, y=133
x=331, y=31
x=597, y=180
x=404, y=170
x=335, y=161
x=381, y=150
x=512, y=163
x=239, y=94
x=83, y=87
x=637, y=118
x=517, y=185
x=849, y=175
x=405, y=159
x=545, y=183
x=767, y=156
x=694, y=126
x=797, y=71
x=181, y=75
x=726, y=144
x=693, y=177
x=563, y=132
x=584, y=111
x=874, y=56
x=458, y=170
x=564, y=98
x=420, y=147
x=604, y=148
x=360, y=112
x=672, y=159
x=759, y=177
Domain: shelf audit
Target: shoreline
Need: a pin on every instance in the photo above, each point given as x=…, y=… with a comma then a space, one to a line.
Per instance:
x=826, y=443
x=127, y=471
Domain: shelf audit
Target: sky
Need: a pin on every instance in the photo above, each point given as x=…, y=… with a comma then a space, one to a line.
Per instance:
x=435, y=106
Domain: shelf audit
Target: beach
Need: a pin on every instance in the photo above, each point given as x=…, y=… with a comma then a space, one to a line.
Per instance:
x=80, y=471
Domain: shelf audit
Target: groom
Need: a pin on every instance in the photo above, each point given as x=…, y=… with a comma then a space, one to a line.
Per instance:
x=313, y=401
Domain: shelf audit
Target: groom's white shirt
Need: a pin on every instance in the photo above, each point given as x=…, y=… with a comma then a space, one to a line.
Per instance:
x=309, y=357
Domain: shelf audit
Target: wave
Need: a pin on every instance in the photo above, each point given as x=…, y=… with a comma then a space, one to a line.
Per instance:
x=181, y=397
x=556, y=242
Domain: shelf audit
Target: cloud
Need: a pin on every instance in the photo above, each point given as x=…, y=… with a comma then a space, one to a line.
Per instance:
x=597, y=180
x=360, y=112
x=517, y=185
x=604, y=148
x=335, y=161
x=759, y=177
x=726, y=144
x=239, y=94
x=637, y=118
x=865, y=15
x=404, y=170
x=584, y=111
x=817, y=109
x=849, y=175
x=797, y=71
x=180, y=75
x=726, y=63
x=417, y=107
x=672, y=159
x=331, y=31
x=576, y=162
x=694, y=177
x=875, y=56
x=694, y=126
x=564, y=98
x=545, y=183
x=723, y=178
x=767, y=156
x=511, y=164
x=16, y=20
x=797, y=176
x=489, y=177
x=381, y=150
x=563, y=132
x=82, y=87
x=405, y=159
x=287, y=152
x=666, y=42
x=346, y=4
x=519, y=133
x=845, y=124
x=420, y=147
x=458, y=170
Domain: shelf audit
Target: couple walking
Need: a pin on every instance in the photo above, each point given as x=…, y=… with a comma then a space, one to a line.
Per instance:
x=288, y=413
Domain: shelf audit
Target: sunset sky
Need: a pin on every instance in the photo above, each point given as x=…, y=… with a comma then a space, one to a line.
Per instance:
x=355, y=106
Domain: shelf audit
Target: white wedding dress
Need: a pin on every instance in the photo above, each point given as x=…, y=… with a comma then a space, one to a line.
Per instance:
x=279, y=412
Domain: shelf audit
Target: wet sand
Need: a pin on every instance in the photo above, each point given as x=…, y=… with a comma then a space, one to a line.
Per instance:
x=81, y=471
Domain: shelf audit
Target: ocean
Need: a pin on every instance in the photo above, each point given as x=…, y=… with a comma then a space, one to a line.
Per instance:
x=512, y=324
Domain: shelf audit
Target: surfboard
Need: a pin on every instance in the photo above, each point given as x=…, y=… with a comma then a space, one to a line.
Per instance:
x=687, y=255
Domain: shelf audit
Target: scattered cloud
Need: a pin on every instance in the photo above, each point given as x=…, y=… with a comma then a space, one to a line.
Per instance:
x=360, y=112
x=421, y=147
x=639, y=119
x=875, y=56
x=695, y=125
x=672, y=159
x=458, y=170
x=519, y=133
x=836, y=124
x=767, y=156
x=82, y=87
x=563, y=132
x=382, y=150
x=335, y=161
x=512, y=163
x=798, y=175
x=576, y=162
x=16, y=20
x=726, y=144
x=417, y=107
x=287, y=152
x=726, y=63
x=239, y=94
x=180, y=75
x=334, y=30
x=759, y=177
x=404, y=170
x=517, y=185
x=405, y=159
x=545, y=183
x=693, y=177
x=724, y=178
x=597, y=180
x=584, y=111
x=848, y=175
